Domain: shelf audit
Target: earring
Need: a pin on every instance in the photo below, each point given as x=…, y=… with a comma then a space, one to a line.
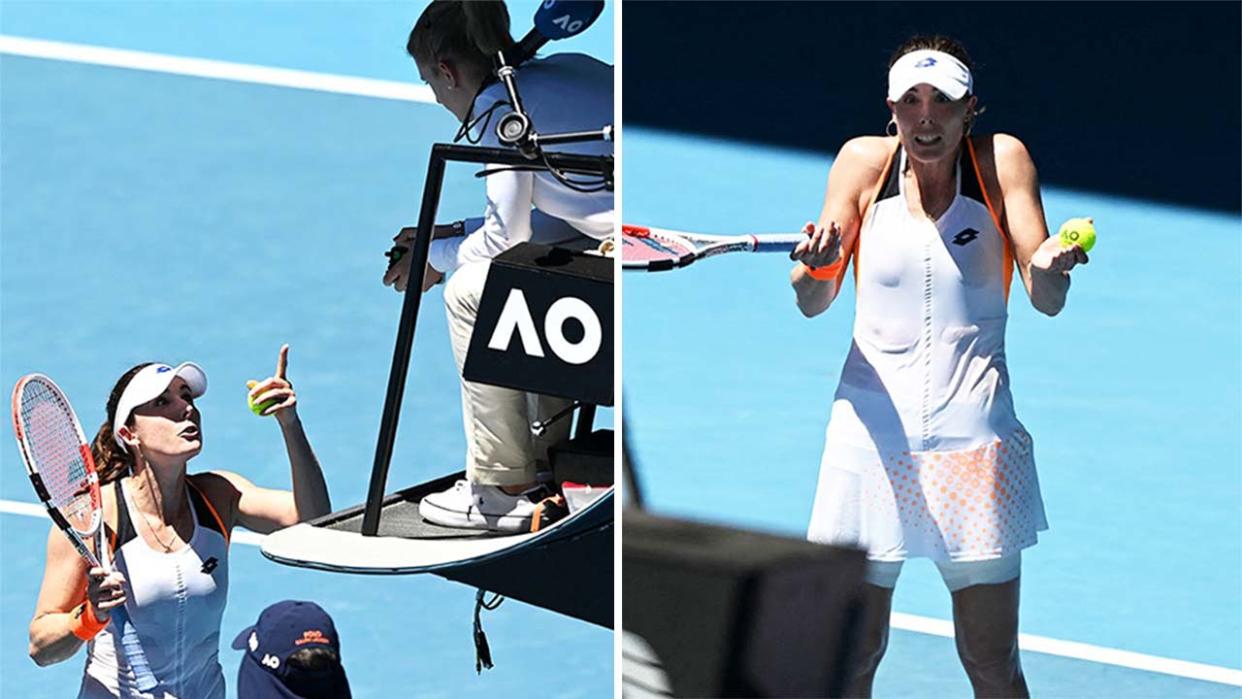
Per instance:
x=891, y=129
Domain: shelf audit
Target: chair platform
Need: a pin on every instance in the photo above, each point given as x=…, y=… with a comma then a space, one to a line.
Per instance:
x=566, y=567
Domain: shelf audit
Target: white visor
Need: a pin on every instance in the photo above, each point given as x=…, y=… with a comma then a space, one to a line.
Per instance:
x=940, y=70
x=148, y=384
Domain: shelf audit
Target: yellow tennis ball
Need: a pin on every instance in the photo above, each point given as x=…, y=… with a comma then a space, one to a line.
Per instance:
x=259, y=408
x=1080, y=231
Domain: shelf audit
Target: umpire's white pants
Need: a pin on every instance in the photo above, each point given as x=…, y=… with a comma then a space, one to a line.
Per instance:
x=500, y=449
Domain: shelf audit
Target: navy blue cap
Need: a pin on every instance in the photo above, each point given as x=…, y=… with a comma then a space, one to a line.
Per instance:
x=283, y=629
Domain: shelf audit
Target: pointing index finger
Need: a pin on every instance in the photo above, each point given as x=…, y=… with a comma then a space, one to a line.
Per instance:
x=282, y=362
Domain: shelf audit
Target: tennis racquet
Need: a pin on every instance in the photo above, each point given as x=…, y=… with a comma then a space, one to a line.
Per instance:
x=59, y=462
x=657, y=250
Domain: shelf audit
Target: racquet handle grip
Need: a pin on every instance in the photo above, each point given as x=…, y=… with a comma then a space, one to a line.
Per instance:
x=778, y=243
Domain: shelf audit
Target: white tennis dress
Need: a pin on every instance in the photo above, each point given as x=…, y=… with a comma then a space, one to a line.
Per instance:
x=924, y=456
x=176, y=603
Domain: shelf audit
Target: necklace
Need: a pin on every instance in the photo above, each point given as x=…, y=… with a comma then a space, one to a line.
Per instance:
x=167, y=546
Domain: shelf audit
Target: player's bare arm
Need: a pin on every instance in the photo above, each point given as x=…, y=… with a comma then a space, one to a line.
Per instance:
x=857, y=168
x=63, y=589
x=1042, y=262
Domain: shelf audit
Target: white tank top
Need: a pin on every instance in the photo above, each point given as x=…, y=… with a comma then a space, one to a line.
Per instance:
x=927, y=364
x=176, y=604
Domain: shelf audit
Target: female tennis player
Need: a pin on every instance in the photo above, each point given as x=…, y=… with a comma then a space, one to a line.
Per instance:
x=453, y=44
x=169, y=532
x=924, y=455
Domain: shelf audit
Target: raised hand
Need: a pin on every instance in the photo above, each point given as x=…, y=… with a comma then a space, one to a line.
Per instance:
x=274, y=395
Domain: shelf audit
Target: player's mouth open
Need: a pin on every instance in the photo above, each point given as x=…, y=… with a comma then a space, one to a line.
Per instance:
x=190, y=432
x=927, y=140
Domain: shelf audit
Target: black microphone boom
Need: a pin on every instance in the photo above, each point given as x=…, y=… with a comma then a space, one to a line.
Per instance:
x=525, y=49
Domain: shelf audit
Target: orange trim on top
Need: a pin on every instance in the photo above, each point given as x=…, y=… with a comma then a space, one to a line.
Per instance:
x=851, y=257
x=1009, y=260
x=211, y=508
x=856, y=250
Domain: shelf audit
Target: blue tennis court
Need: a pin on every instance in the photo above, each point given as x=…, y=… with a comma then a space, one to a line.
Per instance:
x=1132, y=396
x=149, y=215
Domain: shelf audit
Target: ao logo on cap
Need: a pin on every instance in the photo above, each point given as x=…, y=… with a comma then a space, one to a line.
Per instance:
x=926, y=63
x=515, y=316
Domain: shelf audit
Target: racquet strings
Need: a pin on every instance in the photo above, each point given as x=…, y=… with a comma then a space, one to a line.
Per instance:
x=56, y=450
x=645, y=246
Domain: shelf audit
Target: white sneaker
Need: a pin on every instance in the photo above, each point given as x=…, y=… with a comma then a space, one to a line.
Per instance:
x=472, y=506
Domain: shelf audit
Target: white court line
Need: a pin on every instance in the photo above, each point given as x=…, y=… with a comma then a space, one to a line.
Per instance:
x=927, y=625
x=30, y=509
x=1085, y=651
x=219, y=70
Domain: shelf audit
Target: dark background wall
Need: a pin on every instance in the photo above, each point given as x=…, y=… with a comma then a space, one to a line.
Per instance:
x=1137, y=99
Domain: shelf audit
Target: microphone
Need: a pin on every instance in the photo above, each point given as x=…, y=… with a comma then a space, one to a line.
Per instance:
x=561, y=19
x=556, y=19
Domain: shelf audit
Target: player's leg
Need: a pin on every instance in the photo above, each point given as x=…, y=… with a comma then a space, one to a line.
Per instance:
x=985, y=624
x=837, y=518
x=873, y=634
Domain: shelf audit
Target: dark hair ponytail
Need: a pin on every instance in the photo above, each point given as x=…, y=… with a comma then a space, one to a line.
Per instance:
x=469, y=32
x=111, y=461
x=487, y=25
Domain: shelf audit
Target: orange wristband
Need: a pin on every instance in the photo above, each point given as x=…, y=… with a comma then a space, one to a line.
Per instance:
x=825, y=274
x=85, y=625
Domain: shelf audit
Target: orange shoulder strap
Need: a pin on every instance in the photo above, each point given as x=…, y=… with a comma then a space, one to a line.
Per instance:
x=212, y=510
x=855, y=251
x=1008, y=262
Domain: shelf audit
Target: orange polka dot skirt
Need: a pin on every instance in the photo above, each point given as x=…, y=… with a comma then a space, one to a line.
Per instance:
x=972, y=504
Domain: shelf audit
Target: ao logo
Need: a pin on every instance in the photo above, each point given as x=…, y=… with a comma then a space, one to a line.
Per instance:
x=271, y=661
x=516, y=316
x=564, y=21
